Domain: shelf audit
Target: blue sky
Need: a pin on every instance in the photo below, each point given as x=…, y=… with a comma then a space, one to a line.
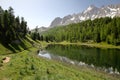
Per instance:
x=42, y=12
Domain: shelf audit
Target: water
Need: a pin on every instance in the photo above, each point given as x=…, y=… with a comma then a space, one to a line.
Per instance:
x=45, y=54
x=83, y=55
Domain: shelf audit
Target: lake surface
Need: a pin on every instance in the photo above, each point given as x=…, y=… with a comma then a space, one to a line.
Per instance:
x=89, y=55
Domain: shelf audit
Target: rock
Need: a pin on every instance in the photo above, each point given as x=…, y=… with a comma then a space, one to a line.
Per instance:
x=82, y=63
x=6, y=59
x=92, y=65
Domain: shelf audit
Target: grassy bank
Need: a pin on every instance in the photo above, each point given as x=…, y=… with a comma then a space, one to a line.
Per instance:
x=97, y=45
x=26, y=65
x=22, y=45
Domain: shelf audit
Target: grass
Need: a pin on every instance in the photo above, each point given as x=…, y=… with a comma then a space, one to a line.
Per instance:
x=15, y=48
x=43, y=44
x=93, y=44
x=4, y=49
x=26, y=65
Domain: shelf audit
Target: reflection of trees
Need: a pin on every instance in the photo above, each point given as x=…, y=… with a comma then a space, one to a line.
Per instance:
x=96, y=56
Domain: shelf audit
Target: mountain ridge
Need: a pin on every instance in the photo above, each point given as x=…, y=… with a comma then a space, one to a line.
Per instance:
x=92, y=12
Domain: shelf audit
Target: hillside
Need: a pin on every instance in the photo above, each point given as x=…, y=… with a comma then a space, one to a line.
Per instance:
x=98, y=30
x=27, y=65
x=19, y=49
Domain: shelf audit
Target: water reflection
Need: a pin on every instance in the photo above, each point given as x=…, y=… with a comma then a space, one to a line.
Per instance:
x=98, y=57
x=48, y=55
x=45, y=54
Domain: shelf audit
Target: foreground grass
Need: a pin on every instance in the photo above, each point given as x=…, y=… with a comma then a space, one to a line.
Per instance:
x=26, y=65
x=4, y=50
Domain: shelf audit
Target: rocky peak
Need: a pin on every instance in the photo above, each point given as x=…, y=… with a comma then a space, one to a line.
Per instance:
x=56, y=21
x=91, y=12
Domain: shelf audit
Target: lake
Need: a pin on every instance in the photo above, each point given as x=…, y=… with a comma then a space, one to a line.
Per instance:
x=105, y=58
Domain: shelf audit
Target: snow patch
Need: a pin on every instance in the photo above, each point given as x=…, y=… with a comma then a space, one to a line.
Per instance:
x=105, y=11
x=113, y=12
x=88, y=9
x=88, y=17
x=118, y=9
x=112, y=15
x=93, y=16
x=82, y=18
x=108, y=15
x=73, y=18
x=112, y=9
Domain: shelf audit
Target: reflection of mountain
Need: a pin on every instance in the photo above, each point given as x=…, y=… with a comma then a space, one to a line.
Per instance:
x=48, y=55
x=91, y=12
x=87, y=55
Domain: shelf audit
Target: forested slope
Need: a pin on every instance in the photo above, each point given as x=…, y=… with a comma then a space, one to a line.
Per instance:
x=11, y=28
x=13, y=31
x=98, y=30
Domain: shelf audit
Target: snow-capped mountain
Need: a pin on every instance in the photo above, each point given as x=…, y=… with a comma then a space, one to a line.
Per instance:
x=91, y=12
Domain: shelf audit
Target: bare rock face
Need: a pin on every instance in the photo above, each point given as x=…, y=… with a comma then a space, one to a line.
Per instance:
x=92, y=12
x=56, y=21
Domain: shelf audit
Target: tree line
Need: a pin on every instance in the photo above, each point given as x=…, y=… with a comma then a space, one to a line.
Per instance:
x=99, y=30
x=11, y=28
x=35, y=35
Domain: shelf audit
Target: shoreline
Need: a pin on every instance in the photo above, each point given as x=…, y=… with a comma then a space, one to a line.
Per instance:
x=96, y=45
x=39, y=65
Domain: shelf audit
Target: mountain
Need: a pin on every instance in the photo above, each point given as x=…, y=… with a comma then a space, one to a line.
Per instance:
x=41, y=29
x=56, y=21
x=91, y=12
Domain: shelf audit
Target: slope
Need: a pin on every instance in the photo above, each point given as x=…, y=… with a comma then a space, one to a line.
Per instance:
x=26, y=65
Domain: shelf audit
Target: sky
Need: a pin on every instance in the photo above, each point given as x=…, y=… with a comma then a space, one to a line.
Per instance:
x=43, y=12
